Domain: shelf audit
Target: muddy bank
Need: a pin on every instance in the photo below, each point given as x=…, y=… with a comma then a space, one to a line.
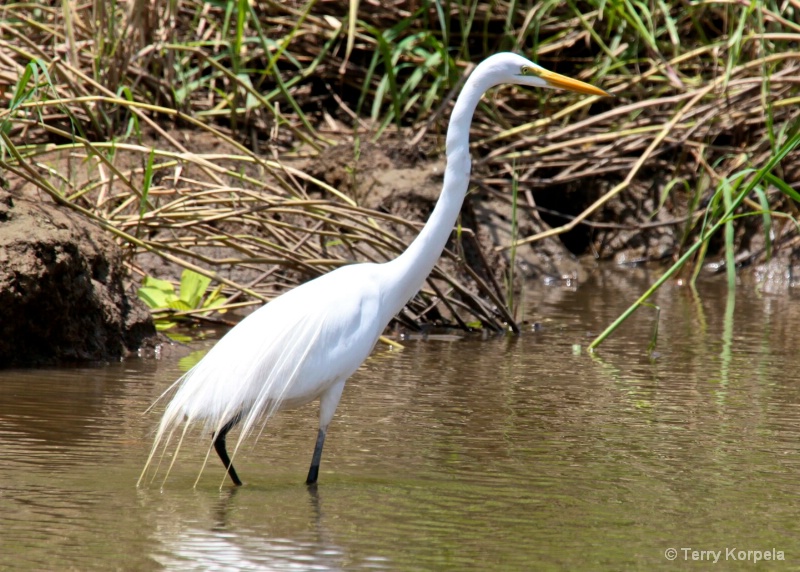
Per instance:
x=63, y=289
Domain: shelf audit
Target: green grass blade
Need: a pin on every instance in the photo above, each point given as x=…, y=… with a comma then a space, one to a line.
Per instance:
x=146, y=183
x=766, y=217
x=782, y=186
x=730, y=252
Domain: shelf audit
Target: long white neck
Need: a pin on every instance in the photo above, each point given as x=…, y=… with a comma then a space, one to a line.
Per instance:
x=409, y=271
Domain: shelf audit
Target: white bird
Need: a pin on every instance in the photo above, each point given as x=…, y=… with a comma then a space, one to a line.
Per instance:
x=306, y=343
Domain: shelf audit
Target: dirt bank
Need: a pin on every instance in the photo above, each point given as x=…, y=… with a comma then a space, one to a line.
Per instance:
x=63, y=294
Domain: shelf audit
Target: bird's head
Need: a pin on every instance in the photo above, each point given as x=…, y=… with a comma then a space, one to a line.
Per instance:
x=512, y=68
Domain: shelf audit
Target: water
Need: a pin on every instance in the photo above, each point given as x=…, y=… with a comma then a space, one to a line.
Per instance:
x=517, y=453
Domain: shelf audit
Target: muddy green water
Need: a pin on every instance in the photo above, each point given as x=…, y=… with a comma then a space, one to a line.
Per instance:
x=512, y=453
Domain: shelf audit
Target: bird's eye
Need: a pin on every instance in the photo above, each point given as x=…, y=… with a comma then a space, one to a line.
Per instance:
x=525, y=70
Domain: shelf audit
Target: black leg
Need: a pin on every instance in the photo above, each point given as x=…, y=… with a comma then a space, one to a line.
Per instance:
x=219, y=446
x=313, y=472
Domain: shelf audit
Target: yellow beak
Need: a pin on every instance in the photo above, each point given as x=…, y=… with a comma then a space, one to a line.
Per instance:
x=564, y=82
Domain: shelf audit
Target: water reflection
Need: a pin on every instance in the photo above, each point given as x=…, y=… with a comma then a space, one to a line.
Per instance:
x=507, y=453
x=301, y=544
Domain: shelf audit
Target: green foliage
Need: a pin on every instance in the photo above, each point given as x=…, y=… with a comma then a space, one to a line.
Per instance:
x=160, y=295
x=415, y=68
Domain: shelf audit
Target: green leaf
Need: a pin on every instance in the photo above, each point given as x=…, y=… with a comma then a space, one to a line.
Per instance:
x=193, y=286
x=215, y=299
x=180, y=305
x=156, y=293
x=164, y=285
x=215, y=303
x=153, y=298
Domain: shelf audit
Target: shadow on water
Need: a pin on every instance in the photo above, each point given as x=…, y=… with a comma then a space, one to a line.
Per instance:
x=512, y=453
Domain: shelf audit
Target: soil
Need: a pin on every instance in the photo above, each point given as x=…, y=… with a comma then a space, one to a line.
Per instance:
x=63, y=294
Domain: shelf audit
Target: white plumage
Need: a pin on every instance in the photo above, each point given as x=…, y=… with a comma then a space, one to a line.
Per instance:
x=306, y=343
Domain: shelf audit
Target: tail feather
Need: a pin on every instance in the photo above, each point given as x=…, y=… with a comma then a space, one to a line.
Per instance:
x=175, y=455
x=272, y=393
x=237, y=377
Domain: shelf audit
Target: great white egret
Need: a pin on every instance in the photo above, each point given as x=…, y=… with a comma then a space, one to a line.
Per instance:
x=304, y=344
